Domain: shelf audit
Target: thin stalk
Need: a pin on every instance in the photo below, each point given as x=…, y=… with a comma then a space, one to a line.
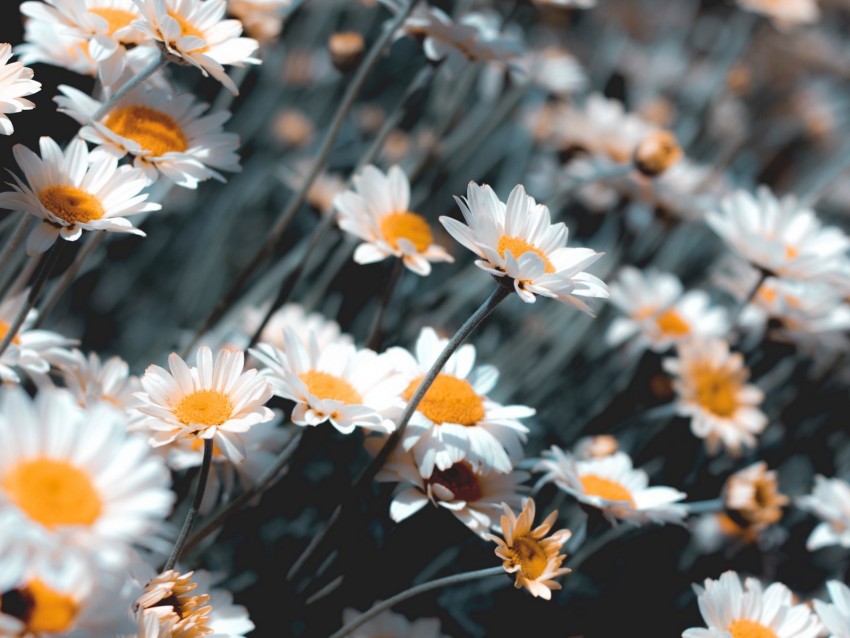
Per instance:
x=376, y=333
x=14, y=242
x=23, y=277
x=192, y=514
x=318, y=164
x=155, y=65
x=415, y=591
x=705, y=507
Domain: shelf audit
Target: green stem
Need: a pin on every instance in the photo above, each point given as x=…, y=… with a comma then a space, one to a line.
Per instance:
x=192, y=514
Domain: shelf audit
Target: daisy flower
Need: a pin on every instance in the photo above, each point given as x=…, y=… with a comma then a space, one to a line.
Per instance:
x=337, y=383
x=196, y=32
x=658, y=310
x=835, y=616
x=456, y=420
x=779, y=237
x=262, y=19
x=72, y=191
x=749, y=611
x=76, y=477
x=164, y=133
x=378, y=212
x=46, y=44
x=519, y=241
x=712, y=389
x=475, y=498
x=784, y=13
x=829, y=501
x=15, y=83
x=214, y=400
x=613, y=486
x=293, y=317
x=391, y=624
x=529, y=553
x=597, y=446
x=753, y=493
x=93, y=381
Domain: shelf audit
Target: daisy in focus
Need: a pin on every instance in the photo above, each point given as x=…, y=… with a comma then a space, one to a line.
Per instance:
x=749, y=611
x=166, y=134
x=835, y=616
x=830, y=502
x=196, y=32
x=456, y=420
x=712, y=389
x=15, y=83
x=517, y=240
x=72, y=191
x=215, y=400
x=389, y=623
x=613, y=486
x=378, y=212
x=529, y=553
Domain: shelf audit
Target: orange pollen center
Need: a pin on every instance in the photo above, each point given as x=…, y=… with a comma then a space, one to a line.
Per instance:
x=750, y=629
x=53, y=492
x=461, y=480
x=117, y=18
x=791, y=252
x=71, y=204
x=406, y=225
x=672, y=323
x=327, y=386
x=40, y=608
x=595, y=485
x=716, y=391
x=448, y=400
x=155, y=131
x=204, y=407
x=531, y=557
x=4, y=328
x=188, y=30
x=518, y=246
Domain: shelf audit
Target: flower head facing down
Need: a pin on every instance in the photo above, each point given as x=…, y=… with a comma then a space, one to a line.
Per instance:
x=15, y=83
x=517, y=240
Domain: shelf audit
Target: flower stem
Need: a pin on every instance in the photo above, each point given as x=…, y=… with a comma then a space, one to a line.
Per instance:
x=192, y=514
x=12, y=245
x=376, y=332
x=705, y=507
x=155, y=65
x=415, y=591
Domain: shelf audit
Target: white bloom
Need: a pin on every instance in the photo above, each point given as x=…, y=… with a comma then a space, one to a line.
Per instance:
x=92, y=381
x=262, y=19
x=43, y=42
x=293, y=317
x=829, y=501
x=389, y=623
x=15, y=82
x=835, y=616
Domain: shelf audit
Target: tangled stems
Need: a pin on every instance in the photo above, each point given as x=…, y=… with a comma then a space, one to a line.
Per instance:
x=415, y=591
x=192, y=514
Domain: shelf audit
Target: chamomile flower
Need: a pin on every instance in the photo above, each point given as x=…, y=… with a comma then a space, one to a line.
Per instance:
x=612, y=485
x=71, y=192
x=15, y=83
x=93, y=381
x=754, y=494
x=529, y=553
x=294, y=317
x=712, y=389
x=262, y=19
x=456, y=420
x=215, y=400
x=830, y=502
x=835, y=616
x=750, y=611
x=517, y=240
x=196, y=32
x=784, y=13
x=378, y=212
x=389, y=623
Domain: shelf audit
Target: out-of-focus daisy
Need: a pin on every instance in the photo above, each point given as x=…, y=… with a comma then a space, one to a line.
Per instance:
x=196, y=32
x=566, y=4
x=554, y=69
x=292, y=316
x=378, y=212
x=712, y=389
x=93, y=381
x=829, y=501
x=784, y=13
x=612, y=485
x=749, y=611
x=72, y=191
x=753, y=494
x=657, y=309
x=595, y=447
x=780, y=237
x=519, y=241
x=15, y=83
x=337, y=383
x=262, y=19
x=389, y=624
x=76, y=477
x=835, y=616
x=214, y=400
x=475, y=498
x=165, y=133
x=456, y=420
x=714, y=530
x=529, y=553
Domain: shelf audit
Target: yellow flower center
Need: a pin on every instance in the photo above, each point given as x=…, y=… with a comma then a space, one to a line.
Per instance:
x=328, y=386
x=750, y=629
x=531, y=557
x=791, y=252
x=4, y=328
x=672, y=323
x=595, y=485
x=155, y=131
x=518, y=246
x=204, y=407
x=40, y=608
x=116, y=18
x=461, y=480
x=187, y=29
x=53, y=492
x=448, y=400
x=716, y=391
x=406, y=225
x=71, y=204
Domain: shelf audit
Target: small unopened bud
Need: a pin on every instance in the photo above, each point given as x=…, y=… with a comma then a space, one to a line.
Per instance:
x=656, y=153
x=346, y=48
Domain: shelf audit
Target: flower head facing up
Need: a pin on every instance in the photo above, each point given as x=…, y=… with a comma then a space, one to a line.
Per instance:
x=754, y=494
x=517, y=240
x=378, y=212
x=829, y=501
x=214, y=400
x=15, y=83
x=529, y=553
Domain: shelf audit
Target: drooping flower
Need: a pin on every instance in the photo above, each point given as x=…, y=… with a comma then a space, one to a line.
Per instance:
x=829, y=501
x=15, y=83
